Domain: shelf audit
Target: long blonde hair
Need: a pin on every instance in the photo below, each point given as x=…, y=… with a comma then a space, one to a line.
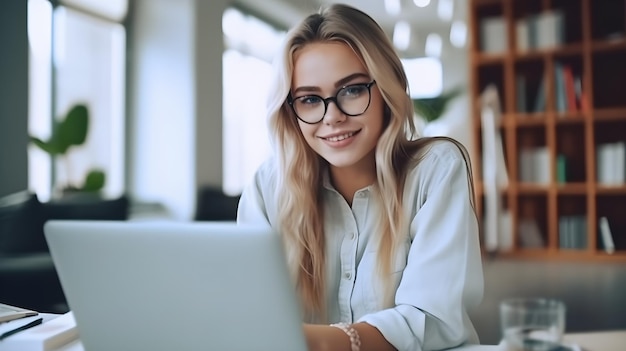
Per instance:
x=301, y=218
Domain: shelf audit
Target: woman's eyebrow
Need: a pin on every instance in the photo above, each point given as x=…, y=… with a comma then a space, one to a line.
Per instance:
x=341, y=82
x=349, y=78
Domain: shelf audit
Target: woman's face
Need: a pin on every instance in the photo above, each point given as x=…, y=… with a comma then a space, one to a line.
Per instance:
x=322, y=69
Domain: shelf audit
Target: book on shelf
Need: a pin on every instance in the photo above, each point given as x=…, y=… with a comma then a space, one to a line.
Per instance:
x=606, y=237
x=540, y=31
x=568, y=89
x=493, y=35
x=573, y=232
x=611, y=163
x=561, y=169
x=534, y=165
x=540, y=98
x=581, y=97
x=522, y=35
x=559, y=88
x=550, y=29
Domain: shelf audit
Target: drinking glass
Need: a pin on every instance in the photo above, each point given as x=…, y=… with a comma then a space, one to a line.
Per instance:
x=532, y=324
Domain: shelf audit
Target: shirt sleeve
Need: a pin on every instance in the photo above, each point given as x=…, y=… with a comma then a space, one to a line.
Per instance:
x=443, y=276
x=253, y=204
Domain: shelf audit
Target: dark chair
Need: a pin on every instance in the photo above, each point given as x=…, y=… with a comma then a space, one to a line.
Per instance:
x=214, y=205
x=28, y=277
x=27, y=274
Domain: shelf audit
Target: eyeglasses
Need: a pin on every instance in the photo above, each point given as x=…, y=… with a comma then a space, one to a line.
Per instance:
x=352, y=100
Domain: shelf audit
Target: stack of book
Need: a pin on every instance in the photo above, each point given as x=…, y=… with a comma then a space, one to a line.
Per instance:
x=541, y=31
x=573, y=232
x=611, y=163
x=35, y=331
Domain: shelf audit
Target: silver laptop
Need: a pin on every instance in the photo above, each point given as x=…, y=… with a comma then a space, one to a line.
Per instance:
x=213, y=286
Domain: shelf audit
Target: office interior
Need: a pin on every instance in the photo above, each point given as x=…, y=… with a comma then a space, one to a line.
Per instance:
x=170, y=143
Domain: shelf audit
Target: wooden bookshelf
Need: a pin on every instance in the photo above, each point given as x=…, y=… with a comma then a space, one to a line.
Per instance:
x=571, y=54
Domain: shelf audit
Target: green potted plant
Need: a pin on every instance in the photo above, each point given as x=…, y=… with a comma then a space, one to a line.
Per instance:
x=67, y=133
x=430, y=109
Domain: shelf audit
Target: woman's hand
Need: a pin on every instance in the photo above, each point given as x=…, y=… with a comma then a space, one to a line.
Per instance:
x=320, y=337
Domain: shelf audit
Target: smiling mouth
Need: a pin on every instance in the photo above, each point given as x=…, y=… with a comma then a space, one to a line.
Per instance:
x=341, y=137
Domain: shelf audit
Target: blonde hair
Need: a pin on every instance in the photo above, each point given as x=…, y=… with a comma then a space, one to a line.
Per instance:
x=301, y=216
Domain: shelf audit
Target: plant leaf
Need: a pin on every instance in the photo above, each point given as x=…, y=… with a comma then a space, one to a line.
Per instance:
x=94, y=181
x=51, y=147
x=73, y=130
x=432, y=108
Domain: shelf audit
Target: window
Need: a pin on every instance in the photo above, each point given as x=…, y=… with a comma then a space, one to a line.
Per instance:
x=77, y=56
x=250, y=45
x=425, y=76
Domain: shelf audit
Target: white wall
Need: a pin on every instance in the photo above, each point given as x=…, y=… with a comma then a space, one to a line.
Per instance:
x=175, y=101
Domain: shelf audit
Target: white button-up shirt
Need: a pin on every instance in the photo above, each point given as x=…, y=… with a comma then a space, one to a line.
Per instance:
x=437, y=273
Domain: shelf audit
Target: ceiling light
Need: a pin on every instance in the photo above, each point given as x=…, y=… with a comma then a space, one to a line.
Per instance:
x=402, y=35
x=433, y=45
x=393, y=7
x=445, y=10
x=458, y=34
x=421, y=3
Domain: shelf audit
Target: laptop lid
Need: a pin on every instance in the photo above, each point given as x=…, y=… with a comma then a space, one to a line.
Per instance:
x=176, y=286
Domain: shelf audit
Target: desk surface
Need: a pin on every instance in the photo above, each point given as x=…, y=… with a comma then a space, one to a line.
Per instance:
x=589, y=341
x=78, y=346
x=599, y=341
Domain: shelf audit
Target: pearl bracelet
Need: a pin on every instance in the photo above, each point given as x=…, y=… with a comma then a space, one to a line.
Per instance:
x=355, y=339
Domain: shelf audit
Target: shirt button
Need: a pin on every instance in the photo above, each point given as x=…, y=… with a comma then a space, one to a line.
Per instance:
x=347, y=275
x=352, y=236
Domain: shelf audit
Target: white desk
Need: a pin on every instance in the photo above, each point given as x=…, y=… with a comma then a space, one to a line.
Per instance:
x=590, y=341
x=599, y=341
x=77, y=346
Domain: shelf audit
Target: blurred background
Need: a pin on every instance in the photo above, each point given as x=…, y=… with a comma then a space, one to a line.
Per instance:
x=176, y=89
x=138, y=109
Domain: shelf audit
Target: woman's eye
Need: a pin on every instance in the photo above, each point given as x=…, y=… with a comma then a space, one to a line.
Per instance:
x=353, y=90
x=309, y=100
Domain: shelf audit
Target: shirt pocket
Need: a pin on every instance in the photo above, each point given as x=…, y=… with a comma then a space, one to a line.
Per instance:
x=371, y=287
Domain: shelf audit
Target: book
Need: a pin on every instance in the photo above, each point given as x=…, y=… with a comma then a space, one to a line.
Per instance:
x=611, y=163
x=570, y=89
x=540, y=98
x=522, y=35
x=559, y=88
x=549, y=29
x=493, y=35
x=50, y=335
x=561, y=169
x=9, y=312
x=606, y=236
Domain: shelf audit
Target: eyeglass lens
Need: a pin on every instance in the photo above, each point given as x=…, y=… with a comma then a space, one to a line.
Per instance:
x=352, y=100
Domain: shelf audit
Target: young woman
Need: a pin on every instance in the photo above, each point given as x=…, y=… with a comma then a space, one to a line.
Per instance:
x=379, y=225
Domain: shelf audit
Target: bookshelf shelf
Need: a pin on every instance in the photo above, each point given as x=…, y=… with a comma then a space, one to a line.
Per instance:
x=558, y=67
x=491, y=59
x=609, y=45
x=610, y=114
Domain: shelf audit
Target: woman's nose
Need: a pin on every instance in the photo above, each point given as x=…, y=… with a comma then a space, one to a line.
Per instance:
x=333, y=114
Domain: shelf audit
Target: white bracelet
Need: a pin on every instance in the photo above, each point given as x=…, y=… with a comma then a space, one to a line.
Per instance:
x=355, y=339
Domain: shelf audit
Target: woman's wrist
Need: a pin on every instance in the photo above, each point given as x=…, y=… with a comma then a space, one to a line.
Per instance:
x=353, y=335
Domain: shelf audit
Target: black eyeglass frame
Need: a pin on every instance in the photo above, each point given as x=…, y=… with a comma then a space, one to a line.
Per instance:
x=290, y=101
